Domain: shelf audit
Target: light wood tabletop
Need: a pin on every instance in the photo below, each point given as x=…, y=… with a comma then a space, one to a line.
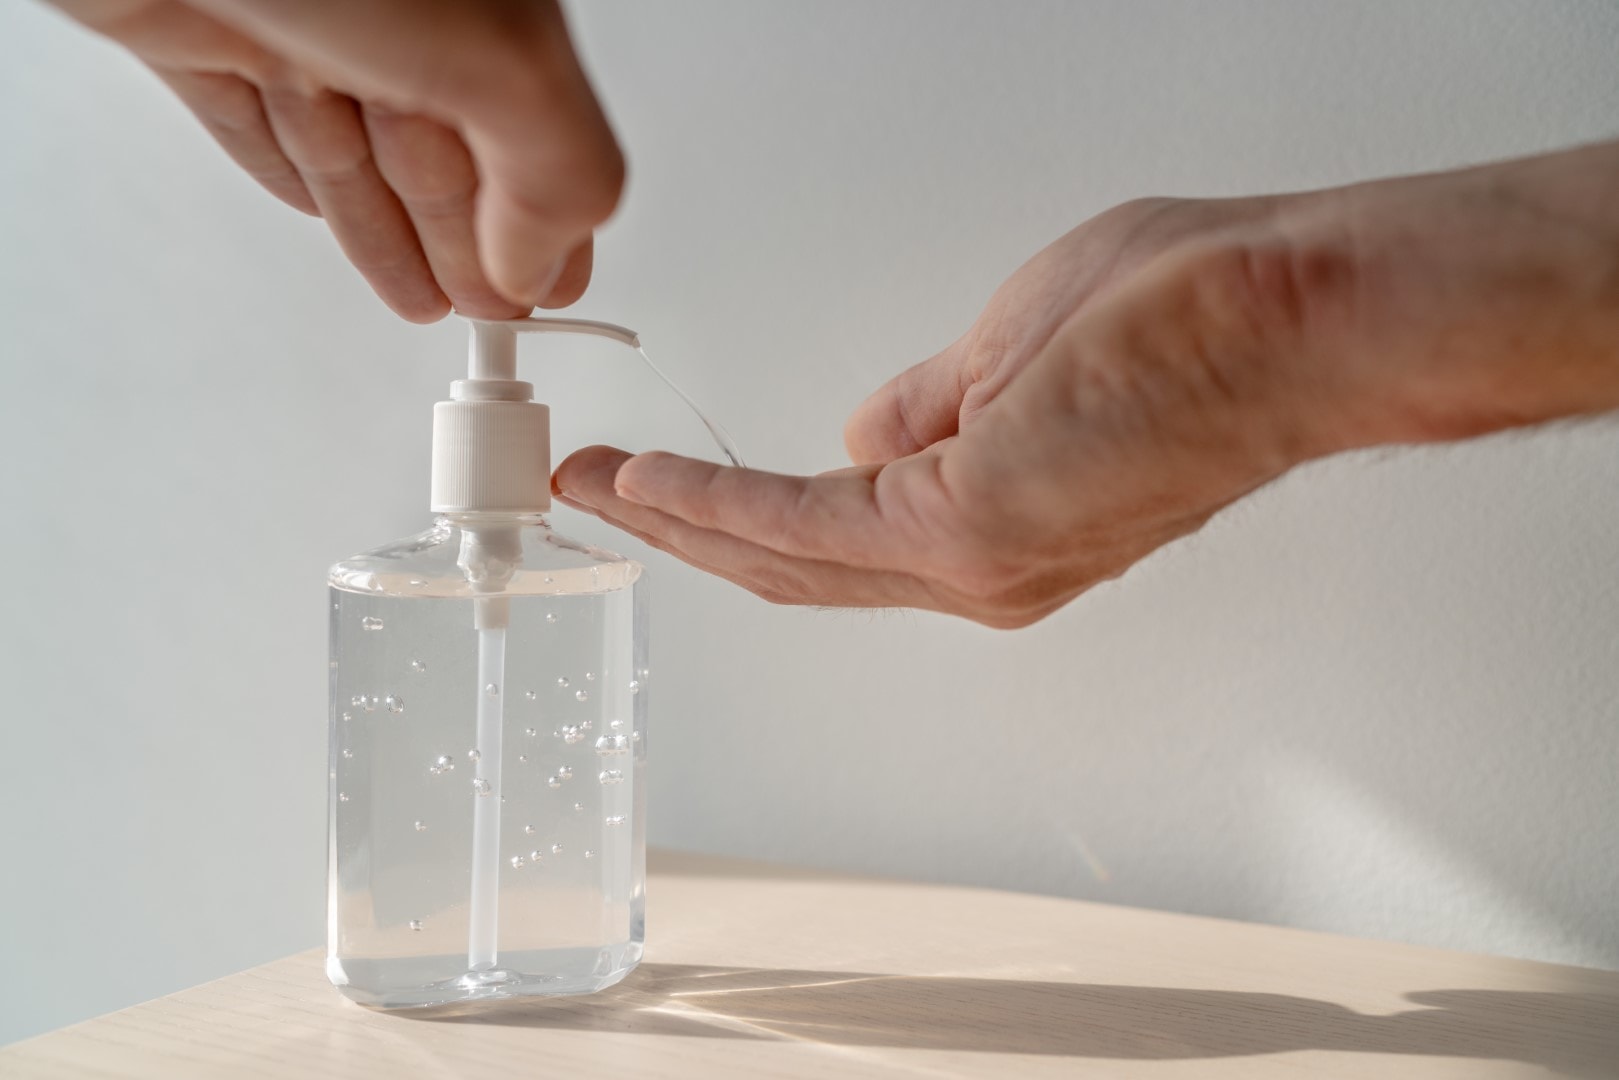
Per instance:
x=762, y=971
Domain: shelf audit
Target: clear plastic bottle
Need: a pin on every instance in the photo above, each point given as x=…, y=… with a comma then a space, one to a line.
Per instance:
x=410, y=774
x=488, y=731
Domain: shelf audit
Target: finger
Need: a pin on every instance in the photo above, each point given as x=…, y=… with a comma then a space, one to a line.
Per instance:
x=233, y=113
x=505, y=76
x=574, y=276
x=585, y=482
x=839, y=517
x=910, y=412
x=324, y=138
x=429, y=169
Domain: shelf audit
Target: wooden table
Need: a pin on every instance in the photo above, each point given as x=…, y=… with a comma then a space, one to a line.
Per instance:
x=762, y=971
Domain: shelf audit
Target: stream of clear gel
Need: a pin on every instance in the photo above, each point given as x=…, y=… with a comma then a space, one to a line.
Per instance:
x=722, y=438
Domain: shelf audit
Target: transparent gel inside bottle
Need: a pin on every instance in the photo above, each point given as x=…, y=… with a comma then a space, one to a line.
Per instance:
x=429, y=752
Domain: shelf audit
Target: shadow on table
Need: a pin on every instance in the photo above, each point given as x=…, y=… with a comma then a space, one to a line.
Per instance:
x=1575, y=1034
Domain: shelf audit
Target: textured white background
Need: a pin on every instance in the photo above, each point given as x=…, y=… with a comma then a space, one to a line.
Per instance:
x=1379, y=697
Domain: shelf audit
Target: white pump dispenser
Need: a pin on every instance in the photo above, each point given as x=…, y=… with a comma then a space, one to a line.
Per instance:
x=489, y=840
x=492, y=440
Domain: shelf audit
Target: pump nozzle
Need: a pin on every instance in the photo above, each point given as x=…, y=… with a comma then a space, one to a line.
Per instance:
x=493, y=348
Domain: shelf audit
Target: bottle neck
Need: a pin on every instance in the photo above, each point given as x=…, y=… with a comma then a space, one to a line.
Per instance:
x=490, y=519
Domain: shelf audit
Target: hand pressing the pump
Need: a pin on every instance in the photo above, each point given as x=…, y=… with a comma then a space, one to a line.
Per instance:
x=455, y=150
x=1153, y=366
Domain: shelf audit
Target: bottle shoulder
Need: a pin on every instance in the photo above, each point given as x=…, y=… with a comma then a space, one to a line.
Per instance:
x=436, y=562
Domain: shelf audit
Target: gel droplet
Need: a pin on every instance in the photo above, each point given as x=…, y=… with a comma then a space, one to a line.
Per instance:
x=531, y=695
x=571, y=734
x=534, y=856
x=473, y=755
x=518, y=862
x=556, y=849
x=417, y=583
x=522, y=759
x=371, y=622
x=578, y=807
x=551, y=616
x=421, y=826
x=582, y=695
x=553, y=782
x=562, y=681
x=616, y=819
x=418, y=666
x=347, y=754
x=612, y=744
x=590, y=676
x=589, y=854
x=492, y=690
x=395, y=703
x=444, y=763
x=347, y=717
x=565, y=772
x=611, y=776
x=528, y=830
x=635, y=686
x=342, y=797
x=415, y=924
x=481, y=787
x=531, y=732
x=615, y=725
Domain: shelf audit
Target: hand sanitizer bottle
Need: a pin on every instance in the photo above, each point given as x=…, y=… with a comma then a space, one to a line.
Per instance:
x=488, y=726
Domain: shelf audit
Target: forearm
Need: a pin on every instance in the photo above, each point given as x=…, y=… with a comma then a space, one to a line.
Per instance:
x=1473, y=301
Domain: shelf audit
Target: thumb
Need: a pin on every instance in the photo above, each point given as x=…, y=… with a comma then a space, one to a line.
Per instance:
x=911, y=411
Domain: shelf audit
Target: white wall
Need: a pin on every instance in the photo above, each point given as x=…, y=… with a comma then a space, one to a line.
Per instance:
x=1377, y=698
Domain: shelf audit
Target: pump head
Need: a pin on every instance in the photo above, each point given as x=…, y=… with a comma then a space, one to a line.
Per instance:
x=492, y=440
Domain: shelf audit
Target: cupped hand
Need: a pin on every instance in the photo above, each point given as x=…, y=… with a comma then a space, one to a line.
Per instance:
x=456, y=151
x=1151, y=367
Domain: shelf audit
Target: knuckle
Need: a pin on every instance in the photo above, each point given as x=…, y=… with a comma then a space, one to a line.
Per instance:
x=588, y=196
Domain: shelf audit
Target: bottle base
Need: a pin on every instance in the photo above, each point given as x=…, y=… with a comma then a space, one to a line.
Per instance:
x=410, y=983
